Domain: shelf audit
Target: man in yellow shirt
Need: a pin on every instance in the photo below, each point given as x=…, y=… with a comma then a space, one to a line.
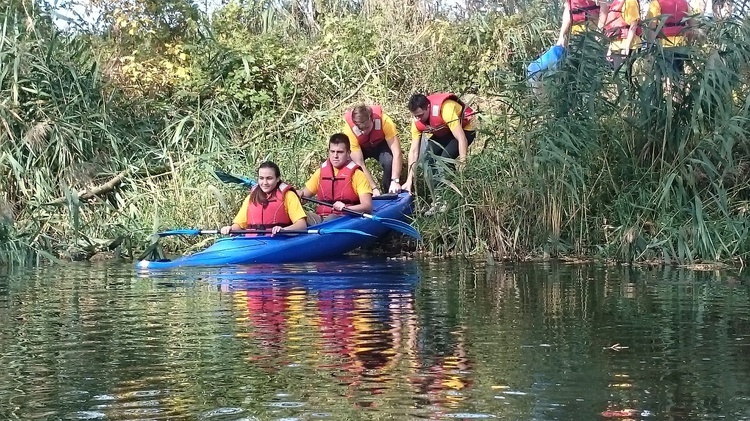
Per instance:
x=447, y=123
x=675, y=15
x=372, y=134
x=621, y=26
x=339, y=181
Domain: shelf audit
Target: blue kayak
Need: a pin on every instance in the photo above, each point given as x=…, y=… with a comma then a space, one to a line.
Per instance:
x=295, y=248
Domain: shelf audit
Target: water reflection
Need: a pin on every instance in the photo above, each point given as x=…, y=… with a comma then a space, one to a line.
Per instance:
x=357, y=331
x=375, y=340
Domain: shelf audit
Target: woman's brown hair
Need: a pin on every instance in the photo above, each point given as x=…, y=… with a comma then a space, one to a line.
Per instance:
x=257, y=195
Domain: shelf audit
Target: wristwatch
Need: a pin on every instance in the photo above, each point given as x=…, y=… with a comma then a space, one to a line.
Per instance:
x=395, y=179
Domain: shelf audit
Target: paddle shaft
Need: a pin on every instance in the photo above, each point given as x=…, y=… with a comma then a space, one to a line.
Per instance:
x=249, y=231
x=347, y=210
x=265, y=232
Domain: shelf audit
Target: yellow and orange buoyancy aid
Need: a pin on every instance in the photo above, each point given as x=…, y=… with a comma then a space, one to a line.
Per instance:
x=678, y=11
x=583, y=10
x=271, y=214
x=335, y=188
x=376, y=135
x=437, y=126
x=615, y=26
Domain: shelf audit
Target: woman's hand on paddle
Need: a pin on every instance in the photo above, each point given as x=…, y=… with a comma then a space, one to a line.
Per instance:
x=276, y=229
x=225, y=230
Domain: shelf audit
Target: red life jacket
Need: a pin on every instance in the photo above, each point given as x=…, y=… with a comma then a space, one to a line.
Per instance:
x=336, y=188
x=582, y=10
x=615, y=26
x=273, y=213
x=677, y=10
x=437, y=126
x=376, y=135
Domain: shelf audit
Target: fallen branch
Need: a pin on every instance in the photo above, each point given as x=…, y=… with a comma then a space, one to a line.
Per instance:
x=86, y=195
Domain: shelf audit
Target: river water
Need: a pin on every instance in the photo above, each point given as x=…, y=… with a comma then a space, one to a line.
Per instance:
x=374, y=340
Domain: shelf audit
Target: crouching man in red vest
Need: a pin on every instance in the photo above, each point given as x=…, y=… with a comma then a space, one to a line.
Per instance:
x=372, y=134
x=446, y=121
x=339, y=181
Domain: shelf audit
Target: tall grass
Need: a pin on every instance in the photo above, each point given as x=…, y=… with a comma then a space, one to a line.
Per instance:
x=609, y=164
x=602, y=164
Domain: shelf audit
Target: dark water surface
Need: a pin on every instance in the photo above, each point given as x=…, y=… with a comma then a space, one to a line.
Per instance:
x=374, y=340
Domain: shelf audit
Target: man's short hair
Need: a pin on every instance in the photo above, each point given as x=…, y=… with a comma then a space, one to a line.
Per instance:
x=340, y=139
x=418, y=101
x=361, y=113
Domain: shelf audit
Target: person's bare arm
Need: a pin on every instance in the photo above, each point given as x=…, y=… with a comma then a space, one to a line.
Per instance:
x=226, y=229
x=631, y=36
x=398, y=161
x=412, y=163
x=603, y=11
x=565, y=27
x=463, y=143
x=304, y=192
x=300, y=225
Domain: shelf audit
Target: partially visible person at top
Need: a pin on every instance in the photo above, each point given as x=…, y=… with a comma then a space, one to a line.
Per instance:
x=676, y=15
x=621, y=27
x=271, y=205
x=580, y=16
x=339, y=181
x=447, y=121
x=372, y=134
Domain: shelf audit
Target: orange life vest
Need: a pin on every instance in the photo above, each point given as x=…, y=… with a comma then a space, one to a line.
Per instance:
x=437, y=126
x=271, y=214
x=582, y=10
x=677, y=10
x=376, y=135
x=615, y=26
x=335, y=188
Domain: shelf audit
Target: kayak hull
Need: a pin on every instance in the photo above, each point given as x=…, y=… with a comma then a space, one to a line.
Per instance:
x=294, y=248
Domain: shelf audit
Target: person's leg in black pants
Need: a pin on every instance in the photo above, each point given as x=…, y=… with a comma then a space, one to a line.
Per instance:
x=447, y=147
x=383, y=154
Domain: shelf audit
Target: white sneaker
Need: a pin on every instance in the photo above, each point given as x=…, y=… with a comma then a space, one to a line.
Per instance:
x=437, y=206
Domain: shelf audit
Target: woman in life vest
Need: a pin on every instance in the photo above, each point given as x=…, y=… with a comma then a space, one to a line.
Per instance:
x=271, y=205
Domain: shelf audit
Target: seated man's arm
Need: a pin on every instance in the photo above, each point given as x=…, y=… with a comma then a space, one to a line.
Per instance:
x=311, y=186
x=363, y=191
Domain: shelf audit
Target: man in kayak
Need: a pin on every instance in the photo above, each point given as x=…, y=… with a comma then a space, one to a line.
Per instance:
x=272, y=204
x=372, y=134
x=448, y=123
x=339, y=181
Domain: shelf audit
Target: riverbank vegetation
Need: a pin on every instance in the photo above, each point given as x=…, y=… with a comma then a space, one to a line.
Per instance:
x=110, y=128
